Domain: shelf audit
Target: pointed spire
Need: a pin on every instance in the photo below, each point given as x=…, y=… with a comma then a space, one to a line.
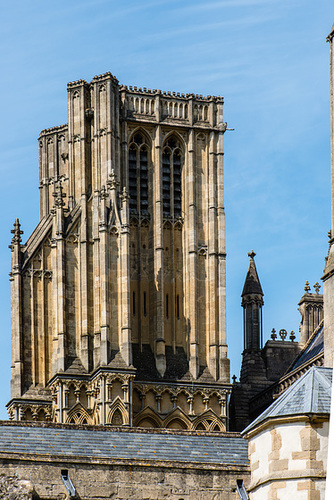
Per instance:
x=16, y=232
x=252, y=302
x=252, y=282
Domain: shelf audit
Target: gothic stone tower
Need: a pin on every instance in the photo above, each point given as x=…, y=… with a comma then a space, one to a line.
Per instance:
x=118, y=296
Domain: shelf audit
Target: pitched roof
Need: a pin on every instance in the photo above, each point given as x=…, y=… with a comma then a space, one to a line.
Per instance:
x=310, y=394
x=312, y=349
x=131, y=445
x=252, y=282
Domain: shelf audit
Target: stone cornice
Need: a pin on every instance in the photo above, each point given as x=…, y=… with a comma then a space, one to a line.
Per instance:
x=106, y=428
x=159, y=464
x=286, y=475
x=288, y=419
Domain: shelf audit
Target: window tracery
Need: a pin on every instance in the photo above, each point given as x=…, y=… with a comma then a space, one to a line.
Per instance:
x=171, y=178
x=138, y=174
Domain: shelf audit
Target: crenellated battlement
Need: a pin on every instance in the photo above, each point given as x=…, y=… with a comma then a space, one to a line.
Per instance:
x=157, y=105
x=104, y=76
x=169, y=93
x=76, y=83
x=53, y=130
x=160, y=105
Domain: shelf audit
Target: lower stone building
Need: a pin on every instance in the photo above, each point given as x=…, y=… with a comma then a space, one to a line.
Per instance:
x=53, y=462
x=288, y=443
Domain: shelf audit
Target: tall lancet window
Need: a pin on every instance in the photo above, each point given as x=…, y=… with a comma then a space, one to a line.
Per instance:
x=171, y=178
x=138, y=175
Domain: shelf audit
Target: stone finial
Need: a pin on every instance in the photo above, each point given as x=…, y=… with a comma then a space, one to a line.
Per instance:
x=103, y=192
x=16, y=232
x=112, y=181
x=251, y=254
x=124, y=196
x=234, y=378
x=273, y=334
x=58, y=193
x=283, y=333
x=292, y=336
x=317, y=288
x=307, y=287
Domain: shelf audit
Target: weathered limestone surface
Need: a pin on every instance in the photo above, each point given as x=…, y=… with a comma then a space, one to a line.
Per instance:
x=101, y=481
x=288, y=459
x=118, y=296
x=13, y=488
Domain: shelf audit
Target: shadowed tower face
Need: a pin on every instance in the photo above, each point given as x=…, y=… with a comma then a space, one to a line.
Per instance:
x=118, y=296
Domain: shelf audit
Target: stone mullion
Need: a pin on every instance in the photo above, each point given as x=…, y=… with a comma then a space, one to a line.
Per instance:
x=97, y=279
x=192, y=257
x=139, y=300
x=172, y=265
x=173, y=297
x=125, y=323
x=110, y=138
x=61, y=289
x=223, y=361
x=54, y=307
x=33, y=328
x=139, y=262
x=124, y=159
x=117, y=136
x=184, y=310
x=97, y=268
x=212, y=261
x=102, y=132
x=43, y=179
x=56, y=156
x=71, y=149
x=81, y=341
x=16, y=308
x=158, y=254
x=96, y=143
x=61, y=304
x=43, y=346
x=104, y=287
x=83, y=332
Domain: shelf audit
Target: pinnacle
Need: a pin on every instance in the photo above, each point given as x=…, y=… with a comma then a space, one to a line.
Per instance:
x=252, y=282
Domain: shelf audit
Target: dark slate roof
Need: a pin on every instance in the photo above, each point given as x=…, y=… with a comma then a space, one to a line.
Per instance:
x=252, y=282
x=213, y=448
x=310, y=394
x=315, y=347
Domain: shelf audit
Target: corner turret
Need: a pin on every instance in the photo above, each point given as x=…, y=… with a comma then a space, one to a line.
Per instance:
x=252, y=302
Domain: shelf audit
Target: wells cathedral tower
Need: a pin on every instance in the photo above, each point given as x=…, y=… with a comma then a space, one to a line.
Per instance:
x=118, y=296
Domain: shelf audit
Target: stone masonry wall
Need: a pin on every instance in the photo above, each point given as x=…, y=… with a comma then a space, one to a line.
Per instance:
x=289, y=460
x=100, y=480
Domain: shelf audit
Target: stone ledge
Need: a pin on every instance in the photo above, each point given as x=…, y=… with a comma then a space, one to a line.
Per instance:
x=165, y=464
x=287, y=475
x=106, y=428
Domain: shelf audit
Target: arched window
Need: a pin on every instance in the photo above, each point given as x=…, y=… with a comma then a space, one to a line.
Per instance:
x=171, y=179
x=138, y=175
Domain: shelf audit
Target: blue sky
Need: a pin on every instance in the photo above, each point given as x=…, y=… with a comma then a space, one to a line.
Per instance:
x=269, y=60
